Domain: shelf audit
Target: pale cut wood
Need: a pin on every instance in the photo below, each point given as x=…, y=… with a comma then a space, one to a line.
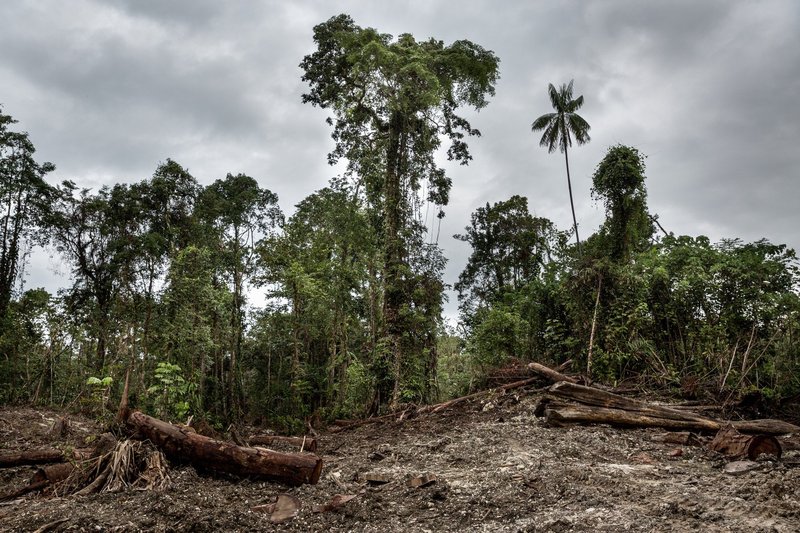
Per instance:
x=550, y=374
x=306, y=444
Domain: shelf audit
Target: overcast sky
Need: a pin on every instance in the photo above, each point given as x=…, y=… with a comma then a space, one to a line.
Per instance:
x=708, y=91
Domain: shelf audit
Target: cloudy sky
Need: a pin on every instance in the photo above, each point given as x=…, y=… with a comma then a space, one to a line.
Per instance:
x=707, y=90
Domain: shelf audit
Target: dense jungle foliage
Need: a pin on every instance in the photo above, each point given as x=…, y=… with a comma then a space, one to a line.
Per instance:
x=163, y=270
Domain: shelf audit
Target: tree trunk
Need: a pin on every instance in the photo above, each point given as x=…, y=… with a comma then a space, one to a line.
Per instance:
x=572, y=203
x=184, y=445
x=594, y=327
x=557, y=414
x=393, y=291
x=31, y=457
x=603, y=407
x=550, y=374
x=592, y=396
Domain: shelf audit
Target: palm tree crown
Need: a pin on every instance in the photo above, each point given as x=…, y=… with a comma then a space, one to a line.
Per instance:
x=559, y=128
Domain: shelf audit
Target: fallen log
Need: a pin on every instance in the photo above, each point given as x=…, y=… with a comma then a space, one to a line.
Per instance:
x=42, y=479
x=549, y=373
x=600, y=398
x=224, y=457
x=305, y=444
x=31, y=457
x=557, y=414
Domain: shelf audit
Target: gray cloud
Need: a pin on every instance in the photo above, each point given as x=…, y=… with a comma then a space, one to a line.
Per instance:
x=707, y=90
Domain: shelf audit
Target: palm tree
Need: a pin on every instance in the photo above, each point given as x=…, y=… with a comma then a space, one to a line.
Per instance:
x=559, y=127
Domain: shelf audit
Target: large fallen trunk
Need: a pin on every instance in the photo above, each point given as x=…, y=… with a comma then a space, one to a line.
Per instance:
x=560, y=414
x=600, y=407
x=600, y=398
x=203, y=452
x=31, y=457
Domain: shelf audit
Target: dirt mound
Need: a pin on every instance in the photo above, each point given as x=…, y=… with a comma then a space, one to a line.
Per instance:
x=490, y=466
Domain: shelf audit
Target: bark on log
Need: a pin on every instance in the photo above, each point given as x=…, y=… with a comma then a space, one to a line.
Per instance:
x=306, y=444
x=24, y=490
x=31, y=457
x=53, y=473
x=224, y=457
x=42, y=479
x=651, y=413
x=600, y=398
x=767, y=426
x=562, y=414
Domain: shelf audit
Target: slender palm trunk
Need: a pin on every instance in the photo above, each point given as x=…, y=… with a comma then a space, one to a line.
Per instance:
x=572, y=204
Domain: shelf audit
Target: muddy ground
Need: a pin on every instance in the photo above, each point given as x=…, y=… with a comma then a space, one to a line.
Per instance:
x=497, y=468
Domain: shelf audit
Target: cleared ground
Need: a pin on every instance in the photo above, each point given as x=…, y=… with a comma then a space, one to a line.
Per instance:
x=497, y=468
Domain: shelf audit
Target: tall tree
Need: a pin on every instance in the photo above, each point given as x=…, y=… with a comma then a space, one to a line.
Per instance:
x=24, y=200
x=393, y=101
x=559, y=128
x=237, y=213
x=94, y=232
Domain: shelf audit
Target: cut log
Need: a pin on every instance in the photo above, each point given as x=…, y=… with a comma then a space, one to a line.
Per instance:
x=42, y=479
x=550, y=374
x=24, y=490
x=224, y=457
x=31, y=457
x=767, y=426
x=562, y=414
x=600, y=398
x=731, y=443
x=305, y=444
x=557, y=414
x=53, y=473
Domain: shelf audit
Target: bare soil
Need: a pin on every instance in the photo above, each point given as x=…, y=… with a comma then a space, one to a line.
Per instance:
x=497, y=468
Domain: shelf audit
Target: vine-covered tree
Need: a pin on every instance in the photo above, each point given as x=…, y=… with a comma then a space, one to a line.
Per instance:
x=393, y=101
x=25, y=198
x=559, y=128
x=237, y=213
x=619, y=183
